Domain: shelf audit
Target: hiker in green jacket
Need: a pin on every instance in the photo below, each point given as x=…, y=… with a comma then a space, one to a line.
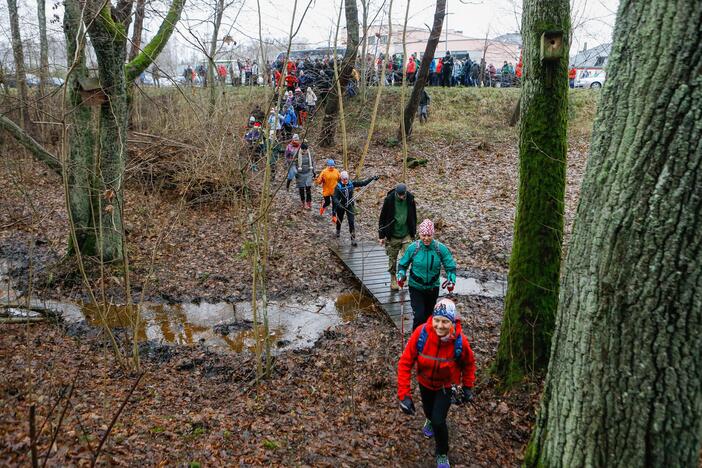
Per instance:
x=426, y=257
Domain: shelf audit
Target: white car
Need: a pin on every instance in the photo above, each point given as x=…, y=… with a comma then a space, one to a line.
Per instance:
x=594, y=79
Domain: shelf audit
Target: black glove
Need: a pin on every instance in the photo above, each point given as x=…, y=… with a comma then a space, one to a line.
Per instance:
x=376, y=177
x=467, y=395
x=407, y=406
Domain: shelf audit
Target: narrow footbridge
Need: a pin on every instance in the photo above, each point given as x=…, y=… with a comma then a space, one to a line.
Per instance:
x=369, y=264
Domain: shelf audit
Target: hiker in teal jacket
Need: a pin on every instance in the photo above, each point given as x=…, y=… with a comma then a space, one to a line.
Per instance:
x=426, y=257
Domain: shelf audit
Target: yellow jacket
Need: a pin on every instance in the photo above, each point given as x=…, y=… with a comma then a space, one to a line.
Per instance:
x=328, y=179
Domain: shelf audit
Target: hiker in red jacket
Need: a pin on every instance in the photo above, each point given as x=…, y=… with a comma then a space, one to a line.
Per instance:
x=444, y=362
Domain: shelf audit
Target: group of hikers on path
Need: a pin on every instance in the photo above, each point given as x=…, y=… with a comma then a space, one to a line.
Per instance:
x=437, y=348
x=442, y=355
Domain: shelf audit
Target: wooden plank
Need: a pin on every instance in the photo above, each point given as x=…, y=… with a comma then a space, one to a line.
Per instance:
x=369, y=264
x=366, y=261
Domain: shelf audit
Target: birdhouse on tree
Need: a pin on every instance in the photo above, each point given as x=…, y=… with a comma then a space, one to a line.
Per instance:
x=552, y=49
x=91, y=92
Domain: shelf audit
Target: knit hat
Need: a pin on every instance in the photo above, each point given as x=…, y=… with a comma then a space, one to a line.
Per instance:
x=401, y=189
x=447, y=309
x=252, y=119
x=296, y=137
x=426, y=228
x=344, y=175
x=298, y=90
x=331, y=163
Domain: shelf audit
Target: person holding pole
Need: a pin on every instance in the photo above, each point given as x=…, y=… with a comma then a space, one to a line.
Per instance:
x=445, y=373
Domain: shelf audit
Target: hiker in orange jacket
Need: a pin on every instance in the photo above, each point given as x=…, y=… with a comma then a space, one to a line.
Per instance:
x=328, y=179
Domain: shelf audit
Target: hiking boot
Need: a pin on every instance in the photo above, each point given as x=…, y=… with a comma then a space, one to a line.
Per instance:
x=309, y=205
x=354, y=243
x=334, y=221
x=442, y=461
x=302, y=206
x=321, y=210
x=427, y=430
x=395, y=287
x=338, y=233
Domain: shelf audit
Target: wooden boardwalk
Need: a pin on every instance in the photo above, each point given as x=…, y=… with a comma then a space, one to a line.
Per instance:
x=369, y=264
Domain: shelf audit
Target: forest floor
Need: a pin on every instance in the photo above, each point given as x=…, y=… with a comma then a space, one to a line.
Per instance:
x=332, y=404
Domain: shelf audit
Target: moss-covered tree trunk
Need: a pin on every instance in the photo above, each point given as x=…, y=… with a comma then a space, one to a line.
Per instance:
x=624, y=386
x=109, y=43
x=81, y=169
x=423, y=73
x=532, y=291
x=331, y=108
x=97, y=158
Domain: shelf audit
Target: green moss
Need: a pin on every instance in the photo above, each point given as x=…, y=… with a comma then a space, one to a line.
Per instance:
x=149, y=53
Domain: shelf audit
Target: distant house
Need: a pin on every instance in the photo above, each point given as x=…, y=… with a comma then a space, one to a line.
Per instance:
x=592, y=59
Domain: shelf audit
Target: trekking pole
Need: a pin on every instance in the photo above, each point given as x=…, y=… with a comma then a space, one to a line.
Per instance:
x=402, y=321
x=360, y=192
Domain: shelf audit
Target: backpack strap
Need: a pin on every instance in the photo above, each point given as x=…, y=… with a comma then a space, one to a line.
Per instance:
x=457, y=345
x=423, y=335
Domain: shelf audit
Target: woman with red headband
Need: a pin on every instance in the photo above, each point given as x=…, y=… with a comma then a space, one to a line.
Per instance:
x=426, y=257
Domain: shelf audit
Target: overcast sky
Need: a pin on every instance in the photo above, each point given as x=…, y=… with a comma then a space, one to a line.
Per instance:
x=594, y=18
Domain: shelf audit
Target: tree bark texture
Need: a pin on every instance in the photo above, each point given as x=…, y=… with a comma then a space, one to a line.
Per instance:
x=211, y=70
x=20, y=74
x=111, y=54
x=331, y=109
x=532, y=291
x=43, y=48
x=423, y=73
x=81, y=170
x=137, y=29
x=624, y=386
x=38, y=151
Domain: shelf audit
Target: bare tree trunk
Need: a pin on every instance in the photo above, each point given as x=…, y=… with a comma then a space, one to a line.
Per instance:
x=43, y=48
x=21, y=76
x=138, y=28
x=535, y=263
x=363, y=85
x=423, y=73
x=331, y=108
x=624, y=385
x=211, y=70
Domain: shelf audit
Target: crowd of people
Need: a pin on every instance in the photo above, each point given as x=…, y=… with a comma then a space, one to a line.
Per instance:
x=319, y=72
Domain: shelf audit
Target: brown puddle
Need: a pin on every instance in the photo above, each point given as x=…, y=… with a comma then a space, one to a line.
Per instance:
x=350, y=304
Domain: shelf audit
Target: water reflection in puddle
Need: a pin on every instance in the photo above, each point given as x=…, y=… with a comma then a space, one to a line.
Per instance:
x=225, y=326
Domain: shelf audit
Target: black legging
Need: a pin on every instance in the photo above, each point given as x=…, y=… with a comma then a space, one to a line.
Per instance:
x=340, y=211
x=327, y=202
x=436, y=405
x=305, y=194
x=423, y=301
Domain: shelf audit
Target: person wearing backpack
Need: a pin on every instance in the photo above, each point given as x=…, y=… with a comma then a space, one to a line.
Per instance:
x=304, y=175
x=345, y=204
x=426, y=256
x=444, y=361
